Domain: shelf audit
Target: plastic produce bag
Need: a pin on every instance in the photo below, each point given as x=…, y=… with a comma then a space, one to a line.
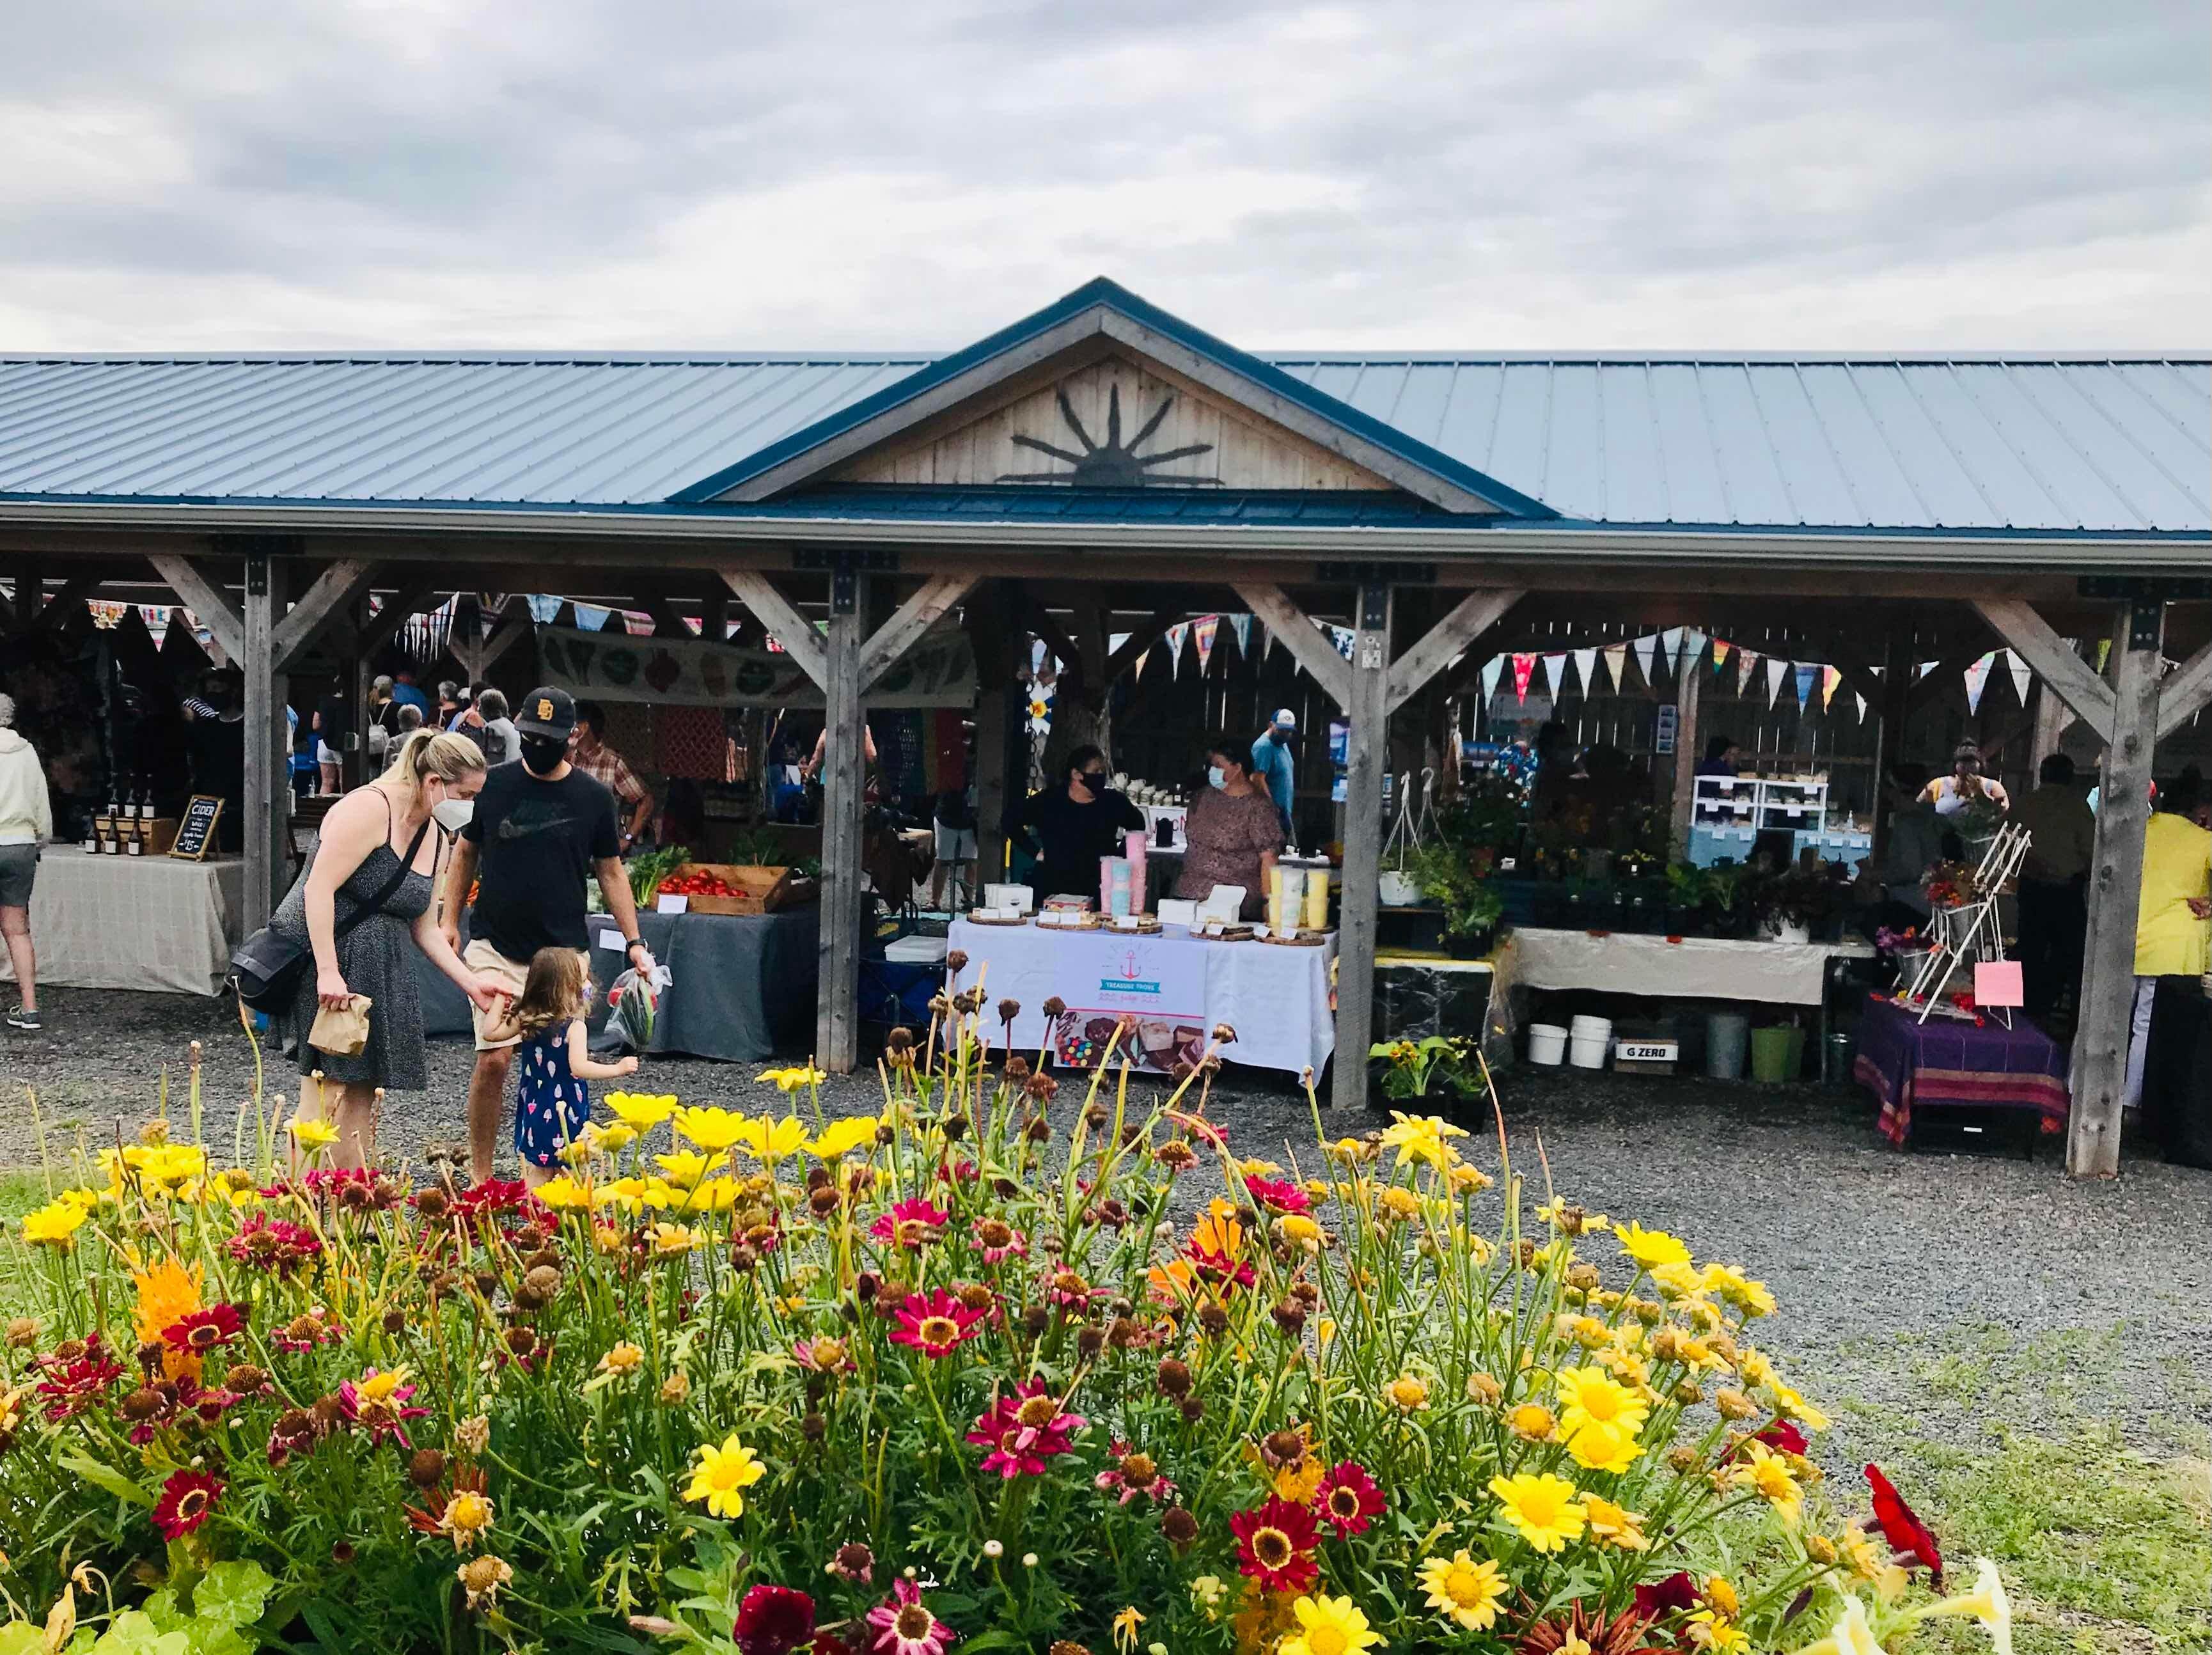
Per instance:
x=634, y=1000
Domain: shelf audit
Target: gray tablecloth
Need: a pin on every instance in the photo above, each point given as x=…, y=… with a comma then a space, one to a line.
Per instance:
x=134, y=922
x=742, y=989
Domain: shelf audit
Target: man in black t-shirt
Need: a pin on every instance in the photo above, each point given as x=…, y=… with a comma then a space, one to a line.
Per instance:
x=540, y=827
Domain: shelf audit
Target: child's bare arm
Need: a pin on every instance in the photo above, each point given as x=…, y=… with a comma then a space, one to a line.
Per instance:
x=585, y=1067
x=504, y=1027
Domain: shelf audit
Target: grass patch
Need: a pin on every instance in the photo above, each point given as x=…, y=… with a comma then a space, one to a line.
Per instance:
x=19, y=1193
x=2105, y=1536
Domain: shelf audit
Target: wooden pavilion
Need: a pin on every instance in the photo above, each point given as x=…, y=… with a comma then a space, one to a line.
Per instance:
x=1101, y=467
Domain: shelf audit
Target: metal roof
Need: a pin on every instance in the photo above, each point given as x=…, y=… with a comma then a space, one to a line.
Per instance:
x=1853, y=442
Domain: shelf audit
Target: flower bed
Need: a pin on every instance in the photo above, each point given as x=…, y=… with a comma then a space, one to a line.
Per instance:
x=1024, y=1362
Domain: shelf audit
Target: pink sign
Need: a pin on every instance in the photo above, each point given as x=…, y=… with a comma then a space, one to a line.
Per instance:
x=1997, y=982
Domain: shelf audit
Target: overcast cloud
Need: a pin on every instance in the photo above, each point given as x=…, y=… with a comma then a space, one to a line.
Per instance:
x=850, y=174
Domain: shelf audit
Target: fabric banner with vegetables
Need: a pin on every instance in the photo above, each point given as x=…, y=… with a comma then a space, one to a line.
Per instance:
x=937, y=671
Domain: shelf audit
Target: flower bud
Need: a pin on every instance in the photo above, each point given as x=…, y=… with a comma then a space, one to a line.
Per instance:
x=427, y=1468
x=1173, y=1378
x=1179, y=1527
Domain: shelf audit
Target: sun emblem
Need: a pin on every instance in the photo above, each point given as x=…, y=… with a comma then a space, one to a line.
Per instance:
x=1113, y=464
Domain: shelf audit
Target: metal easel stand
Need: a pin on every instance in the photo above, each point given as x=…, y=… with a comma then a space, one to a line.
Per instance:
x=1971, y=932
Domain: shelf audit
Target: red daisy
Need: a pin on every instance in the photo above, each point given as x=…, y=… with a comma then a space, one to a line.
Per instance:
x=1275, y=1544
x=377, y=1402
x=935, y=1322
x=1914, y=1541
x=904, y=1626
x=75, y=1382
x=1069, y=1291
x=773, y=1621
x=205, y=1330
x=1136, y=1474
x=998, y=1240
x=1279, y=1195
x=1783, y=1437
x=187, y=1501
x=1025, y=1430
x=1677, y=1593
x=912, y=1224
x=270, y=1244
x=1348, y=1499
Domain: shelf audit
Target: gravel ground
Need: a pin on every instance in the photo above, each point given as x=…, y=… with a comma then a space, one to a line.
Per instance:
x=1882, y=1261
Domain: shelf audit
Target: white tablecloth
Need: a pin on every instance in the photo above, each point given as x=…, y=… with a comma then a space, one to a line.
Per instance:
x=1277, y=999
x=134, y=922
x=1696, y=968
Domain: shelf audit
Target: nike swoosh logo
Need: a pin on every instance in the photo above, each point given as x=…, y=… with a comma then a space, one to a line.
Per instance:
x=511, y=829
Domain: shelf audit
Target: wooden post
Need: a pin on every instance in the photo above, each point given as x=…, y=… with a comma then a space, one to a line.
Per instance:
x=2108, y=982
x=267, y=803
x=1889, y=737
x=836, y=1024
x=1369, y=675
x=998, y=786
x=1689, y=675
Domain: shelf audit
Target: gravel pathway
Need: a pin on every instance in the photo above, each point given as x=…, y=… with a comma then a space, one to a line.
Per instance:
x=1880, y=1259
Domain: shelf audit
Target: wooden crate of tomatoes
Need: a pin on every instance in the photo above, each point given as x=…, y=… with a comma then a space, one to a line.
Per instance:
x=737, y=888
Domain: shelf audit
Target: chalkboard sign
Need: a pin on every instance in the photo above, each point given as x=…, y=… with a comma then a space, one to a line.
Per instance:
x=195, y=833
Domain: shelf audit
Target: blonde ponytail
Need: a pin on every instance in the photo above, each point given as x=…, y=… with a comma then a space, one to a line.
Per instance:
x=425, y=753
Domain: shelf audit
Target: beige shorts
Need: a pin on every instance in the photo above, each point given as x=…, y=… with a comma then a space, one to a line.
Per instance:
x=485, y=960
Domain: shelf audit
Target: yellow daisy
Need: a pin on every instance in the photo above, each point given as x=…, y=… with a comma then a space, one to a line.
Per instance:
x=1328, y=1626
x=1590, y=1395
x=1650, y=1248
x=1541, y=1507
x=1466, y=1590
x=843, y=1137
x=714, y=1130
x=721, y=1475
x=640, y=1112
x=768, y=1139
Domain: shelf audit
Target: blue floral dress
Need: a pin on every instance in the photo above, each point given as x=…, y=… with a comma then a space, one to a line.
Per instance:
x=551, y=1105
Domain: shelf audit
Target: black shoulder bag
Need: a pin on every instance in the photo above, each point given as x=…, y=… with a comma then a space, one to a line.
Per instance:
x=267, y=966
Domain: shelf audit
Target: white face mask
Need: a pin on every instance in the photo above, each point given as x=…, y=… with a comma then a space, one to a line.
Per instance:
x=453, y=815
x=1215, y=775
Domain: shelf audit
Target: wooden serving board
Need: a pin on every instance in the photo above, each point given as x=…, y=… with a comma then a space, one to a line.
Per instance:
x=977, y=918
x=1302, y=939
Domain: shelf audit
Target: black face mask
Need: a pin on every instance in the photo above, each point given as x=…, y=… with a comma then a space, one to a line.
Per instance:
x=1091, y=783
x=542, y=754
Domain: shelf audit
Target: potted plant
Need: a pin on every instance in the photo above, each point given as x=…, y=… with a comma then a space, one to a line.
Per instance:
x=1415, y=1067
x=1458, y=881
x=1791, y=905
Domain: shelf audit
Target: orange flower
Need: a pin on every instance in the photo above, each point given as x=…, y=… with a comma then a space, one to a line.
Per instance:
x=167, y=1294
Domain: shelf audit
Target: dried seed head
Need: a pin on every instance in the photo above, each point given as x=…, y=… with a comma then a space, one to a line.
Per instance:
x=824, y=1202
x=1214, y=1319
x=246, y=1379
x=674, y=1389
x=1089, y=1340
x=899, y=1039
x=955, y=960
x=395, y=1322
x=1179, y=1526
x=1734, y=1405
x=431, y=1204
x=1035, y=1320
x=1173, y=1378
x=1481, y=1388
x=22, y=1332
x=426, y=1469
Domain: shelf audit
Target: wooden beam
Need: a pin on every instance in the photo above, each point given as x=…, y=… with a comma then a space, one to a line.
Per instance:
x=2108, y=981
x=1142, y=637
x=667, y=622
x=909, y=622
x=2183, y=692
x=268, y=791
x=2052, y=659
x=2052, y=717
x=401, y=607
x=1890, y=711
x=1064, y=648
x=785, y=625
x=514, y=625
x=71, y=591
x=1307, y=646
x=1365, y=703
x=1472, y=617
x=198, y=591
x=1689, y=681
x=836, y=1024
x=333, y=590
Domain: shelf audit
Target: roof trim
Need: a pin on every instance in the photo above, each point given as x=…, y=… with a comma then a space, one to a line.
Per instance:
x=858, y=358
x=1101, y=307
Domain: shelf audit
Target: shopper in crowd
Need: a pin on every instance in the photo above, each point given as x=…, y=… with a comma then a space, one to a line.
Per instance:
x=1069, y=825
x=393, y=827
x=484, y=721
x=1276, y=767
x=1966, y=784
x=540, y=829
x=407, y=693
x=607, y=767
x=27, y=822
x=1233, y=832
x=451, y=699
x=952, y=824
x=1722, y=757
x=383, y=719
x=411, y=718
x=216, y=738
x=2173, y=920
x=1914, y=844
x=2054, y=878
x=333, y=723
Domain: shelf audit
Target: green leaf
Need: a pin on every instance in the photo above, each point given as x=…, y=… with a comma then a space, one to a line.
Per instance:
x=232, y=1594
x=133, y=1633
x=21, y=1638
x=108, y=1478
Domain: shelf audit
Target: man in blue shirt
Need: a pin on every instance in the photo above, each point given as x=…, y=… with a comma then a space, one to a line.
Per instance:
x=1273, y=765
x=405, y=692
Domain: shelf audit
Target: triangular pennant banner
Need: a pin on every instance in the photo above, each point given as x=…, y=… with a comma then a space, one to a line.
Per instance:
x=1493, y=670
x=1670, y=642
x=1137, y=666
x=1176, y=635
x=1977, y=676
x=1926, y=667
x=1586, y=667
x=1523, y=666
x=2104, y=654
x=1202, y=633
x=1861, y=699
x=1242, y=626
x=1807, y=673
x=1645, y=648
x=1721, y=648
x=1555, y=670
x=1776, y=672
x=1616, y=663
x=1745, y=660
x=1829, y=677
x=2018, y=670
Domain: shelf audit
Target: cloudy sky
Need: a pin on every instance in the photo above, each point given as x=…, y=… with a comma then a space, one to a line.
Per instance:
x=1512, y=174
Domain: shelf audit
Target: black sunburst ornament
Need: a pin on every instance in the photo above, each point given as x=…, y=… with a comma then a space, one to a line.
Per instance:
x=1113, y=464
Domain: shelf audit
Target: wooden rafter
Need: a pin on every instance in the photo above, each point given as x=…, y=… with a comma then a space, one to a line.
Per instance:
x=798, y=637
x=1472, y=617
x=1296, y=633
x=910, y=621
x=2184, y=692
x=2053, y=660
x=333, y=592
x=200, y=592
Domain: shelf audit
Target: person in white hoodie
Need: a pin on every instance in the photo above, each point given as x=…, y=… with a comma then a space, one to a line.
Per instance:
x=27, y=822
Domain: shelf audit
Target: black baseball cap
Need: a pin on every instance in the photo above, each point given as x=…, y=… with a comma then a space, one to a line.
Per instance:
x=546, y=711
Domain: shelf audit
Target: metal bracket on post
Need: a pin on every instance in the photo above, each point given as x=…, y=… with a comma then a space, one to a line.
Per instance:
x=1374, y=627
x=257, y=575
x=2146, y=624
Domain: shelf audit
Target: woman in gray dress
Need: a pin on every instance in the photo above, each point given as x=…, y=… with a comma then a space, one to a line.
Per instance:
x=364, y=839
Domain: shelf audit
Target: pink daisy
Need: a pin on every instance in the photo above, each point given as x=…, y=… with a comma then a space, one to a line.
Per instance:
x=1025, y=1430
x=1136, y=1474
x=904, y=1625
x=998, y=1240
x=912, y=1224
x=936, y=1323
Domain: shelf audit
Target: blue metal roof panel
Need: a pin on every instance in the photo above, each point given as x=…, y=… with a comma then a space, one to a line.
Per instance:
x=1986, y=443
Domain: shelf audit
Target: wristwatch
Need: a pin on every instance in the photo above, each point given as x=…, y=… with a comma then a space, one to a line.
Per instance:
x=632, y=945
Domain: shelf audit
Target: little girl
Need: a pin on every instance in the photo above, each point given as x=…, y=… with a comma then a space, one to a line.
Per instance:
x=552, y=1103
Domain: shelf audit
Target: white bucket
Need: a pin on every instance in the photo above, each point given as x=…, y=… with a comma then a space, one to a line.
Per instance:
x=1590, y=1039
x=1548, y=1043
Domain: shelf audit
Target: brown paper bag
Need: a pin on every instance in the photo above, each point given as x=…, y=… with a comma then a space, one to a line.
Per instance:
x=342, y=1033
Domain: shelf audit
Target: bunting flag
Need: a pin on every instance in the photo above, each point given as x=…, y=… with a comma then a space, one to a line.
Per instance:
x=1493, y=670
x=1745, y=660
x=1670, y=643
x=1977, y=677
x=1555, y=671
x=1829, y=677
x=1523, y=666
x=1616, y=663
x=2104, y=654
x=1202, y=633
x=1137, y=666
x=1586, y=668
x=1926, y=667
x=2018, y=670
x=1721, y=648
x=1861, y=699
x=1645, y=648
x=1242, y=626
x=1776, y=672
x=1176, y=635
x=1807, y=675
